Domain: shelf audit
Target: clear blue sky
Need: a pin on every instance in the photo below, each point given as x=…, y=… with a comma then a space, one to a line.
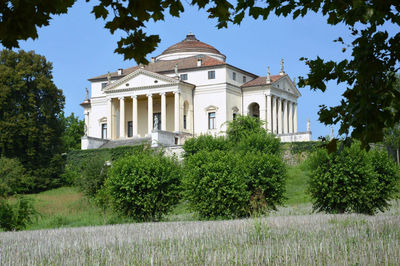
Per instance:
x=79, y=48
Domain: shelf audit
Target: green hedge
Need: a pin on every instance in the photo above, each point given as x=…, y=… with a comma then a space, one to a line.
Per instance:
x=306, y=146
x=77, y=160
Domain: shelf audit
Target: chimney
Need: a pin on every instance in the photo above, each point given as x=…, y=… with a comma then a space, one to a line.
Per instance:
x=153, y=59
x=120, y=71
x=199, y=62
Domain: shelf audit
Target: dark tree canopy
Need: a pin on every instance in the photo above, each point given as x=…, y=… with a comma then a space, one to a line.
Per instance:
x=30, y=108
x=370, y=102
x=73, y=131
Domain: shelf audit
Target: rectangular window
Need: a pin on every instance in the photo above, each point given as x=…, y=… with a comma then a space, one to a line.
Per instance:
x=130, y=129
x=103, y=131
x=234, y=76
x=244, y=79
x=184, y=76
x=211, y=74
x=184, y=121
x=103, y=85
x=234, y=116
x=211, y=120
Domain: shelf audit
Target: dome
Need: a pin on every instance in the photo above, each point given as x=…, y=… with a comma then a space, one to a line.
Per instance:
x=190, y=46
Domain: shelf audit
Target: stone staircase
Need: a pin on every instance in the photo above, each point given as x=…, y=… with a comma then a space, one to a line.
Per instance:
x=125, y=142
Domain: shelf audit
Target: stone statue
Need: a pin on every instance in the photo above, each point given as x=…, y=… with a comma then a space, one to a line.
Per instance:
x=331, y=132
x=308, y=125
x=108, y=77
x=87, y=94
x=268, y=76
x=85, y=129
x=176, y=70
x=155, y=125
x=294, y=81
x=282, y=70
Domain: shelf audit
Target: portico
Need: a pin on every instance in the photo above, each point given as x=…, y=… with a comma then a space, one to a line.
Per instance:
x=135, y=112
x=138, y=115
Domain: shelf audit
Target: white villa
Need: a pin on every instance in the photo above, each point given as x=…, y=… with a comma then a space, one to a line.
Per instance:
x=186, y=91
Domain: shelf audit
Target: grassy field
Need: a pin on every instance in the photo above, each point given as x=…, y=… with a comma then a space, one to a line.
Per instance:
x=67, y=207
x=316, y=239
x=292, y=235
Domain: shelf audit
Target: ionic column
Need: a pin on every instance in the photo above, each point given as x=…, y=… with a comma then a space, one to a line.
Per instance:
x=163, y=111
x=295, y=117
x=176, y=107
x=263, y=112
x=134, y=116
x=285, y=117
x=269, y=125
x=274, y=122
x=290, y=111
x=280, y=128
x=109, y=117
x=86, y=129
x=149, y=114
x=121, y=117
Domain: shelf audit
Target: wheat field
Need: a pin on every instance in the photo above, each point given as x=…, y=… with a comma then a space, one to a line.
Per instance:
x=290, y=236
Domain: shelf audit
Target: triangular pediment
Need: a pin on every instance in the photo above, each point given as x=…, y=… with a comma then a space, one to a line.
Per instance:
x=141, y=78
x=287, y=85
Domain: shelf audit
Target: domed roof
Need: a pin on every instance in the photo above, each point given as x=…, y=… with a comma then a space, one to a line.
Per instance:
x=190, y=46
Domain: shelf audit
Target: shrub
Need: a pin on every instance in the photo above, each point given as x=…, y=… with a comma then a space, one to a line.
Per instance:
x=93, y=176
x=144, y=186
x=352, y=180
x=231, y=184
x=206, y=143
x=17, y=216
x=259, y=142
x=387, y=178
x=13, y=177
x=243, y=126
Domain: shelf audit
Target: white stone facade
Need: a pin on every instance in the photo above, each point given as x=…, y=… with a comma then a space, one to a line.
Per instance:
x=186, y=91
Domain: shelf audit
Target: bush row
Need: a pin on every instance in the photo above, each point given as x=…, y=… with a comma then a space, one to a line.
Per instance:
x=220, y=177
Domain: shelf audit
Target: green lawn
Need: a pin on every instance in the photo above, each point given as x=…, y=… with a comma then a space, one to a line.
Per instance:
x=67, y=207
x=296, y=186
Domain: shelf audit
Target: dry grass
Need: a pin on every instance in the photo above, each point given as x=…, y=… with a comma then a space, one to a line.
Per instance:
x=278, y=239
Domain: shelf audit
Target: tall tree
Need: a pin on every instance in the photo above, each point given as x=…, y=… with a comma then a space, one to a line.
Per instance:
x=73, y=131
x=370, y=101
x=30, y=109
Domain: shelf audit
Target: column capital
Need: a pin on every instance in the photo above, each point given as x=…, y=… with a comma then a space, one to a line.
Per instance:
x=149, y=95
x=134, y=96
x=121, y=98
x=162, y=93
x=176, y=92
x=108, y=99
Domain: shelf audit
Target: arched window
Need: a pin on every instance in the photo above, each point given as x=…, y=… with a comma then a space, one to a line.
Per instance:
x=254, y=110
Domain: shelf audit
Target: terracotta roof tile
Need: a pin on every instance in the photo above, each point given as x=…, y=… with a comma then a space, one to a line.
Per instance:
x=190, y=44
x=169, y=65
x=262, y=81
